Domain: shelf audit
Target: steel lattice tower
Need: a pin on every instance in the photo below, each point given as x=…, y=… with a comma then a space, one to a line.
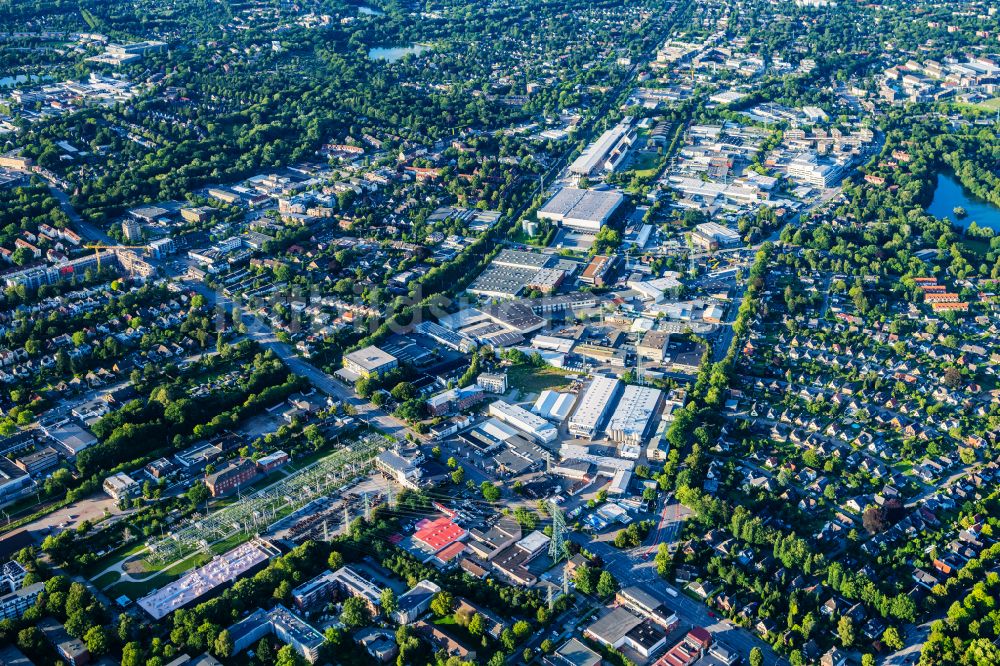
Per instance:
x=557, y=545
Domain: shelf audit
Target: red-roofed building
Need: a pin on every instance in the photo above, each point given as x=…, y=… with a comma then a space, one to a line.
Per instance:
x=691, y=648
x=437, y=534
x=447, y=555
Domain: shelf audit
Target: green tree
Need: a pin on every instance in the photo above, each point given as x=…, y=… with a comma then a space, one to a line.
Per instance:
x=845, y=630
x=388, y=601
x=891, y=638
x=224, y=644
x=490, y=492
x=198, y=494
x=354, y=612
x=756, y=657
x=287, y=656
x=442, y=604
x=808, y=624
x=476, y=625
x=606, y=585
x=97, y=641
x=584, y=579
x=132, y=654
x=521, y=630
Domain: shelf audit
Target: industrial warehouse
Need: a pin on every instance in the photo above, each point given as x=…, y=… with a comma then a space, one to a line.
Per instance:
x=582, y=210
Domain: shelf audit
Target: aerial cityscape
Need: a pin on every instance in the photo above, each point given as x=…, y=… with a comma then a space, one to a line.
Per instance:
x=446, y=333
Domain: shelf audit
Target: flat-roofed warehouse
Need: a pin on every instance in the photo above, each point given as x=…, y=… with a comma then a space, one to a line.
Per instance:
x=582, y=210
x=596, y=154
x=518, y=259
x=634, y=414
x=502, y=281
x=596, y=403
x=522, y=419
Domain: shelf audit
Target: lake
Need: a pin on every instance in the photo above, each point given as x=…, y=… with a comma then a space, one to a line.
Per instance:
x=949, y=194
x=394, y=53
x=6, y=81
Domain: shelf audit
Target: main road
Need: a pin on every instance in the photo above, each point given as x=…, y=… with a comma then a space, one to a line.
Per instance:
x=262, y=334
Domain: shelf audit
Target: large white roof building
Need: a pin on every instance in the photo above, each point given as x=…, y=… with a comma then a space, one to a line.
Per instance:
x=522, y=419
x=635, y=412
x=553, y=405
x=594, y=407
x=582, y=210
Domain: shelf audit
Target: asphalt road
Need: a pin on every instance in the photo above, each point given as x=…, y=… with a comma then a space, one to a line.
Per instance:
x=327, y=384
x=914, y=638
x=86, y=229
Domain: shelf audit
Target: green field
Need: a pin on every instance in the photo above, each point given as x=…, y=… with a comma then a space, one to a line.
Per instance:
x=106, y=579
x=644, y=164
x=530, y=379
x=990, y=104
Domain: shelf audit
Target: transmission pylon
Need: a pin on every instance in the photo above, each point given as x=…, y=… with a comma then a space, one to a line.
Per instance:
x=347, y=522
x=566, y=578
x=368, y=508
x=557, y=545
x=552, y=601
x=390, y=496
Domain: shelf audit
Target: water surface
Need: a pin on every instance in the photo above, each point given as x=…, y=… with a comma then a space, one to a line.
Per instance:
x=949, y=194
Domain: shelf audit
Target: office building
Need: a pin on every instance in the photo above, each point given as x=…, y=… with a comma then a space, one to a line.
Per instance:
x=653, y=345
x=121, y=486
x=454, y=400
x=13, y=604
x=231, y=476
x=414, y=602
x=622, y=628
x=38, y=462
x=132, y=229
x=711, y=236
x=600, y=271
x=572, y=653
x=12, y=576
x=492, y=383
x=403, y=470
x=272, y=461
x=369, y=361
x=348, y=581
x=285, y=625
x=689, y=650
x=644, y=602
x=72, y=650
x=14, y=482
